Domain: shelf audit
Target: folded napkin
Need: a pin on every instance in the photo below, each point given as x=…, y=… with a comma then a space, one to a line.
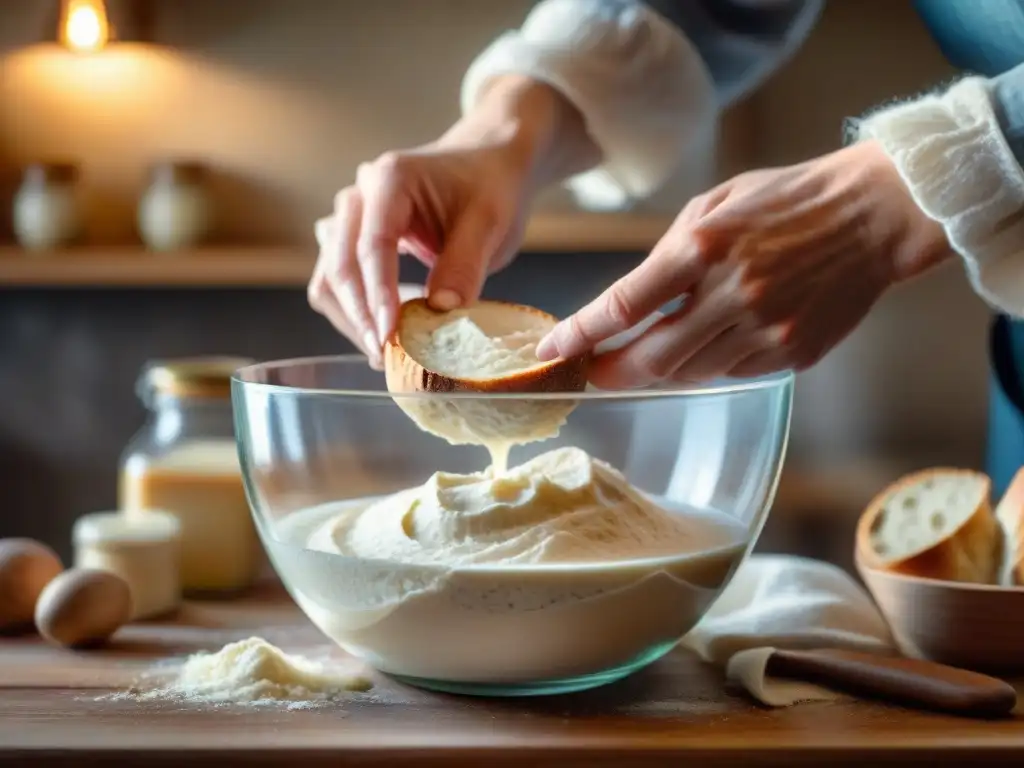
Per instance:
x=789, y=603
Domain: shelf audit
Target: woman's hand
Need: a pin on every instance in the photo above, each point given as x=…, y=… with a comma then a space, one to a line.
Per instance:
x=457, y=204
x=457, y=209
x=776, y=266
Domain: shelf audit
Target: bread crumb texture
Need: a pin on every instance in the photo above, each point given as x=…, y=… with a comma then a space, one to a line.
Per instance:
x=916, y=516
x=482, y=344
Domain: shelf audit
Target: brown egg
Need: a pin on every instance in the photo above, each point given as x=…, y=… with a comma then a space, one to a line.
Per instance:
x=26, y=567
x=82, y=608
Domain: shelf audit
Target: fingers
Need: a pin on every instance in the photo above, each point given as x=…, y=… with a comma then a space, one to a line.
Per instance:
x=762, y=363
x=336, y=315
x=674, y=267
x=693, y=350
x=664, y=348
x=386, y=216
x=322, y=299
x=790, y=348
x=671, y=270
x=724, y=353
x=458, y=276
x=336, y=290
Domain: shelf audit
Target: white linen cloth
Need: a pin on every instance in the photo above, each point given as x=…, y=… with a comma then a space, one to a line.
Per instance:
x=789, y=603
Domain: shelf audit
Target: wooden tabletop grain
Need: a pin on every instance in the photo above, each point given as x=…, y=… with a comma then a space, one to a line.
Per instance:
x=55, y=710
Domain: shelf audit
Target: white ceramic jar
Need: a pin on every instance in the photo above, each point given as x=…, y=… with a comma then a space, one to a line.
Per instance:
x=175, y=211
x=143, y=550
x=46, y=208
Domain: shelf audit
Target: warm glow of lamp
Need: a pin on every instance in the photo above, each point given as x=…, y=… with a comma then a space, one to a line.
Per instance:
x=84, y=27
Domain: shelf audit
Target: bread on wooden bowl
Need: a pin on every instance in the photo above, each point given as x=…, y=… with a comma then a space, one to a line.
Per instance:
x=937, y=523
x=934, y=568
x=487, y=348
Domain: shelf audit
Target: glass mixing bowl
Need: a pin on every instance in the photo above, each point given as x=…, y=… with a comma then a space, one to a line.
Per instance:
x=321, y=438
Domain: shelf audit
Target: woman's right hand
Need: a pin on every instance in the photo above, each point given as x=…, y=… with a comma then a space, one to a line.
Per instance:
x=457, y=204
x=457, y=209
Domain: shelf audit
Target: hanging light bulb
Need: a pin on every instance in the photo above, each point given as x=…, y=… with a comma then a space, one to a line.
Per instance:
x=84, y=27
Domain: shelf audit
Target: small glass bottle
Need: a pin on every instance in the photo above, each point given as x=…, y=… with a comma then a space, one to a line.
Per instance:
x=46, y=213
x=184, y=461
x=175, y=211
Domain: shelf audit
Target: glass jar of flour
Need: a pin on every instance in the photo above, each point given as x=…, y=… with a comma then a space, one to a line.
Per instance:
x=184, y=461
x=175, y=211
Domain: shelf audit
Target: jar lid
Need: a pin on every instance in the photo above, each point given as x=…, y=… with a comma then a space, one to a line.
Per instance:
x=150, y=526
x=201, y=377
x=51, y=172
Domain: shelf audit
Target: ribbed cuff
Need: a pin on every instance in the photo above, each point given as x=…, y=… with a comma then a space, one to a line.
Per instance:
x=643, y=90
x=949, y=150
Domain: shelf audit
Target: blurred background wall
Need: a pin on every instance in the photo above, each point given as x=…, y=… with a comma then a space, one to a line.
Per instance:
x=284, y=100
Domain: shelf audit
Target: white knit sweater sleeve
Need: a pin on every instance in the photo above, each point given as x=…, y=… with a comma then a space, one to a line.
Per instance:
x=952, y=154
x=644, y=92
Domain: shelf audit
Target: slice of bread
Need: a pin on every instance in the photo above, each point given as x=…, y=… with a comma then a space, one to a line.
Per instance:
x=1010, y=515
x=489, y=346
x=937, y=524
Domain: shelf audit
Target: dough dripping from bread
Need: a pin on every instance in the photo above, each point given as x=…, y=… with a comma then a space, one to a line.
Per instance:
x=487, y=349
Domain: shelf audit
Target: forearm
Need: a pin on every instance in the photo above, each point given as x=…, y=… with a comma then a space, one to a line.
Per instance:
x=640, y=87
x=646, y=78
x=951, y=152
x=542, y=129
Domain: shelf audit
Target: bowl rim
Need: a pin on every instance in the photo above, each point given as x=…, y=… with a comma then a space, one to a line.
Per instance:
x=242, y=378
x=963, y=586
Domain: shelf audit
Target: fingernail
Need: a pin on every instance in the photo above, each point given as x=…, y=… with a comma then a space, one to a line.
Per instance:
x=383, y=324
x=372, y=344
x=547, y=349
x=445, y=299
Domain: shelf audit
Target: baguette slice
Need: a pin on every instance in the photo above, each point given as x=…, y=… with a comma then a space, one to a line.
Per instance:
x=1010, y=515
x=487, y=348
x=936, y=524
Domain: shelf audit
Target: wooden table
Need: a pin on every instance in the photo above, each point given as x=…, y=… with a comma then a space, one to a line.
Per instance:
x=676, y=713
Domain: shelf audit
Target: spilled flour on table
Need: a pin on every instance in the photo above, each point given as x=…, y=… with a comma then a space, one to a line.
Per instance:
x=251, y=673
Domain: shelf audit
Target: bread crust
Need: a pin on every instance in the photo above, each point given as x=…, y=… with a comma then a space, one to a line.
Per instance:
x=971, y=553
x=1010, y=515
x=404, y=374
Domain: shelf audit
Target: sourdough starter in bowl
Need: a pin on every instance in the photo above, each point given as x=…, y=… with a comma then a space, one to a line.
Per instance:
x=543, y=575
x=556, y=569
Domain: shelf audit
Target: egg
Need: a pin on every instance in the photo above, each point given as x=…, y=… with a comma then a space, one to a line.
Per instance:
x=26, y=567
x=82, y=608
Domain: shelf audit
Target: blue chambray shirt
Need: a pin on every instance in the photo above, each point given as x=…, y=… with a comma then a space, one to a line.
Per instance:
x=987, y=37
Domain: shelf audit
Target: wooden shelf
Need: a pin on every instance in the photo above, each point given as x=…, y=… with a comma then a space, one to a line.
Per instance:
x=284, y=266
x=127, y=267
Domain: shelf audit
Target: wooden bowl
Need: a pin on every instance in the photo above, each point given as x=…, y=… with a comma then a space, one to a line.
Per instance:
x=973, y=626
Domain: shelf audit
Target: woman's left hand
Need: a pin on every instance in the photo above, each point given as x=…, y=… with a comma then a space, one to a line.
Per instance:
x=777, y=266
